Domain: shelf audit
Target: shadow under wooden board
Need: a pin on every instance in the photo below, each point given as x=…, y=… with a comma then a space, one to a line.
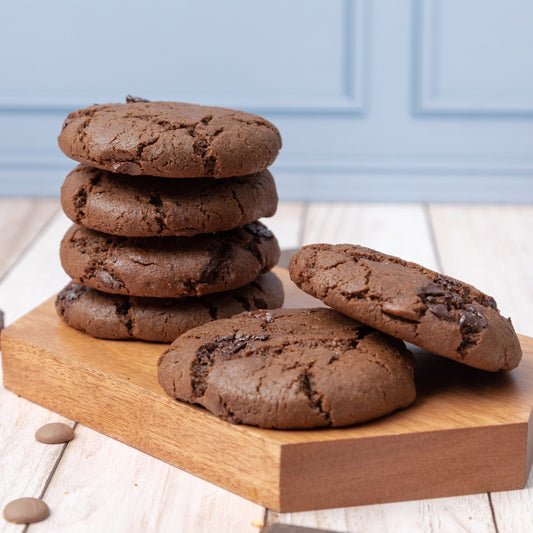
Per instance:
x=468, y=431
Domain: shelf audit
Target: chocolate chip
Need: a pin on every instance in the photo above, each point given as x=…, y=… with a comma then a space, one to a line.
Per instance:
x=26, y=511
x=135, y=99
x=441, y=311
x=431, y=290
x=448, y=283
x=1, y=320
x=228, y=346
x=54, y=433
x=255, y=228
x=435, y=293
x=127, y=167
x=400, y=311
x=240, y=342
x=472, y=321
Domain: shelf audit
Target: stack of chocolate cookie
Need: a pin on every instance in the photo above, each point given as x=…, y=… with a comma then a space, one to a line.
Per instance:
x=165, y=207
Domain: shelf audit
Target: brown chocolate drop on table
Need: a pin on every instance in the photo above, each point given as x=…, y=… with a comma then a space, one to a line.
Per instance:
x=26, y=511
x=54, y=433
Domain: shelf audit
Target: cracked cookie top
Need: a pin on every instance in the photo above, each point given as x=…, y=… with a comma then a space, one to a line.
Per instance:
x=170, y=139
x=439, y=313
x=149, y=206
x=168, y=267
x=290, y=368
x=115, y=316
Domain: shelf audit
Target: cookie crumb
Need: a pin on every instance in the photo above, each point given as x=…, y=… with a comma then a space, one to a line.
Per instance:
x=135, y=99
x=257, y=523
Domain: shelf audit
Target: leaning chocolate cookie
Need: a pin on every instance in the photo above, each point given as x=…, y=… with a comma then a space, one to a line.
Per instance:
x=115, y=316
x=170, y=139
x=411, y=302
x=299, y=368
x=168, y=267
x=148, y=206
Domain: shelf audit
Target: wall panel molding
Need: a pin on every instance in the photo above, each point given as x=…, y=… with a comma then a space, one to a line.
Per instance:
x=324, y=185
x=428, y=95
x=375, y=100
x=349, y=96
x=339, y=165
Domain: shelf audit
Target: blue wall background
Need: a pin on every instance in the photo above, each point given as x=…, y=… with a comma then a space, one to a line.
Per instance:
x=405, y=100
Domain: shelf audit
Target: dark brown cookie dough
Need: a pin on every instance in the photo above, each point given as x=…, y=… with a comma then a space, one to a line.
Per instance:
x=148, y=206
x=115, y=316
x=170, y=139
x=168, y=267
x=434, y=311
x=299, y=368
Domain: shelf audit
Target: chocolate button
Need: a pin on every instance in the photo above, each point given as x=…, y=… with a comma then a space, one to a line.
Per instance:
x=54, y=433
x=26, y=511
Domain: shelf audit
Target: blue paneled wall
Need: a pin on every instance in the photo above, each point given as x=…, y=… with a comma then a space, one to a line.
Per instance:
x=376, y=100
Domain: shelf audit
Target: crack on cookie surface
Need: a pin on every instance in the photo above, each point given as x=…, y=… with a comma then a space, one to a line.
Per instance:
x=306, y=386
x=238, y=202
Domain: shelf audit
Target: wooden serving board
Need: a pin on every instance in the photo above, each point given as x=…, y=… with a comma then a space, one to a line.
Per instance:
x=468, y=432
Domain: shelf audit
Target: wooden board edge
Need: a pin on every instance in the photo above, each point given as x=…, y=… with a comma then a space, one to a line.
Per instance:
x=365, y=472
x=529, y=455
x=71, y=386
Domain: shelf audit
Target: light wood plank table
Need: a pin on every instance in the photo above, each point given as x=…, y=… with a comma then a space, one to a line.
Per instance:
x=97, y=484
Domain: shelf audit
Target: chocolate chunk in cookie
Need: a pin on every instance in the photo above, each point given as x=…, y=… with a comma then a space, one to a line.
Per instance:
x=148, y=206
x=115, y=316
x=170, y=139
x=299, y=368
x=411, y=302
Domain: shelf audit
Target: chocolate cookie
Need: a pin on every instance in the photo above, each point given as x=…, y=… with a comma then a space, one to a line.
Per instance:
x=115, y=316
x=299, y=368
x=437, y=312
x=148, y=206
x=168, y=267
x=170, y=139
